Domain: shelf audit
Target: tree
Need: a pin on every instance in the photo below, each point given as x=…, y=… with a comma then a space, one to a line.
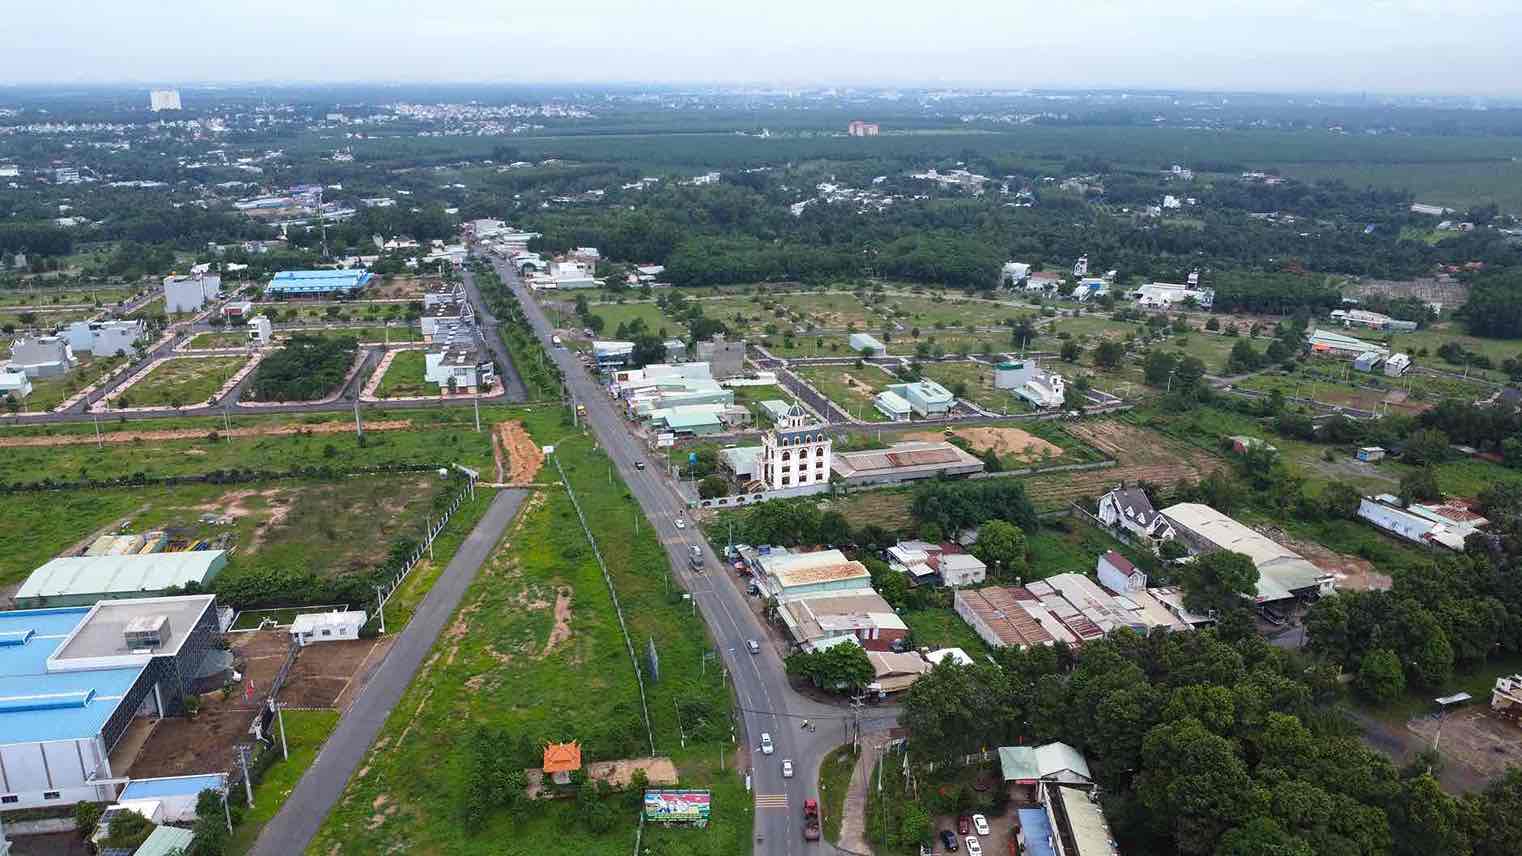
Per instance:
x=1425, y=447
x=1157, y=366
x=834, y=528
x=1244, y=357
x=1380, y=678
x=128, y=830
x=1217, y=582
x=1420, y=486
x=713, y=487
x=1071, y=351
x=86, y=816
x=1109, y=354
x=1001, y=546
x=1340, y=500
x=842, y=668
x=1194, y=782
x=914, y=828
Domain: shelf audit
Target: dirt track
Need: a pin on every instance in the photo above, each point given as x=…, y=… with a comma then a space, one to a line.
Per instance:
x=194, y=434
x=524, y=457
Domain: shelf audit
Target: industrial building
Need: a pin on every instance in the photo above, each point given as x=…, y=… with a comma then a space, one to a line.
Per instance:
x=103, y=338
x=316, y=283
x=1068, y=607
x=901, y=462
x=190, y=293
x=927, y=398
x=689, y=420
x=1429, y=525
x=1282, y=573
x=42, y=356
x=1397, y=365
x=788, y=576
x=1025, y=378
x=1328, y=344
x=1166, y=295
x=893, y=406
x=84, y=580
x=867, y=344
x=72, y=680
x=1371, y=320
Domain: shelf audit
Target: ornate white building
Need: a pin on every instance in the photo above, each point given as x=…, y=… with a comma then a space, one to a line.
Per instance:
x=796, y=452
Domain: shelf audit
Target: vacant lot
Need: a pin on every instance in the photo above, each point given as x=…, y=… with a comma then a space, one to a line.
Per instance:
x=225, y=339
x=1141, y=455
x=534, y=640
x=614, y=314
x=851, y=388
x=51, y=392
x=181, y=382
x=1012, y=445
x=975, y=382
x=404, y=377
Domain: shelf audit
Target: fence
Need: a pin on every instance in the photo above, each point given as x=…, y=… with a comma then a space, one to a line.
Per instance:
x=426, y=547
x=639, y=675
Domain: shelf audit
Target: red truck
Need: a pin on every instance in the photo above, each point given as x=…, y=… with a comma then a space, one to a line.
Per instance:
x=811, y=820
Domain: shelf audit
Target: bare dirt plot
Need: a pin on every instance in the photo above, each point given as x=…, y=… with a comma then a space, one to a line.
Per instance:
x=183, y=747
x=195, y=434
x=1352, y=572
x=524, y=456
x=1474, y=738
x=1003, y=441
x=618, y=774
x=1140, y=456
x=562, y=629
x=329, y=672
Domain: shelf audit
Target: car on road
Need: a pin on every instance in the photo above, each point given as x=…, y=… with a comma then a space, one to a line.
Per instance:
x=766, y=744
x=973, y=847
x=964, y=824
x=980, y=823
x=753, y=645
x=680, y=523
x=949, y=840
x=639, y=465
x=787, y=768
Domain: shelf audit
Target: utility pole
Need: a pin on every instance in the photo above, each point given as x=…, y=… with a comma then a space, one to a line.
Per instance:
x=359, y=426
x=97, y=430
x=477, y=401
x=285, y=747
x=380, y=608
x=430, y=537
x=248, y=787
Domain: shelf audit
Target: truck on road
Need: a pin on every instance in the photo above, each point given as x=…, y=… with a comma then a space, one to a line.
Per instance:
x=811, y=820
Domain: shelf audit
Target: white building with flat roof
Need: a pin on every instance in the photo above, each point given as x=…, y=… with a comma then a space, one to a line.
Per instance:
x=14, y=383
x=313, y=627
x=160, y=100
x=190, y=293
x=104, y=338
x=42, y=356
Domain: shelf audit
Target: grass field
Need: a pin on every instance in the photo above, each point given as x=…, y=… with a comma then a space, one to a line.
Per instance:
x=306, y=731
x=849, y=387
x=435, y=437
x=533, y=644
x=63, y=295
x=224, y=339
x=975, y=381
x=404, y=377
x=1073, y=545
x=181, y=382
x=834, y=781
x=39, y=525
x=51, y=392
x=941, y=628
x=614, y=314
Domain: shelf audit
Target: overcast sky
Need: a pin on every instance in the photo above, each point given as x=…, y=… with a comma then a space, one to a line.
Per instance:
x=1396, y=46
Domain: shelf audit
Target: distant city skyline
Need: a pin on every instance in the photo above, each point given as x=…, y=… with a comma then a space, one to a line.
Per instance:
x=1462, y=47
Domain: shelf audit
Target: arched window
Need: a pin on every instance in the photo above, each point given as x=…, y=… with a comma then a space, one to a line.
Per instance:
x=818, y=451
x=787, y=455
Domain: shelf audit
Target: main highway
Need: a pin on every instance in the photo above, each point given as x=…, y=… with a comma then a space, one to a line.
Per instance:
x=766, y=701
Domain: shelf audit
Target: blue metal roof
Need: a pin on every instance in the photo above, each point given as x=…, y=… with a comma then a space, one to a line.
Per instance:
x=318, y=281
x=172, y=786
x=36, y=704
x=1037, y=831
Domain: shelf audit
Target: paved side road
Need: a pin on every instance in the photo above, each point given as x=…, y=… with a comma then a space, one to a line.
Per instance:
x=292, y=829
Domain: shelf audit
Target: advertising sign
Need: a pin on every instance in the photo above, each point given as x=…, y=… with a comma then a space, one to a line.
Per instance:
x=664, y=806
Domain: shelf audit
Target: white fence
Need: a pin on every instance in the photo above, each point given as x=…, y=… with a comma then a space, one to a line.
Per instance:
x=426, y=547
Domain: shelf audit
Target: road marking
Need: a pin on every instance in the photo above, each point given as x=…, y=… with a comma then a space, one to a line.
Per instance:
x=771, y=800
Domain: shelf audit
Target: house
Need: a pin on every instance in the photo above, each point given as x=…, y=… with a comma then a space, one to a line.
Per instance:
x=443, y=313
x=459, y=366
x=1044, y=282
x=14, y=383
x=795, y=452
x=902, y=462
x=238, y=310
x=441, y=292
x=1025, y=378
x=260, y=330
x=894, y=672
x=1165, y=295
x=913, y=558
x=561, y=760
x=1089, y=288
x=1506, y=697
x=1067, y=607
x=74, y=679
x=959, y=569
x=310, y=627
x=103, y=338
x=689, y=420
x=1508, y=398
x=789, y=576
x=176, y=795
x=190, y=293
x=1367, y=361
x=725, y=357
x=893, y=406
x=1397, y=365
x=865, y=343
x=676, y=350
x=317, y=283
x=41, y=356
x=1013, y=272
x=863, y=615
x=1371, y=454
x=1117, y=574
x=926, y=397
x=85, y=580
x=955, y=655
x=742, y=461
x=1131, y=510
x=1052, y=762
x=611, y=355
x=571, y=274
x=1282, y=573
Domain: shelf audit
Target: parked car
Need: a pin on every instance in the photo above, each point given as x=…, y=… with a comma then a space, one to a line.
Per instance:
x=980, y=823
x=639, y=465
x=680, y=523
x=766, y=744
x=964, y=824
x=787, y=768
x=973, y=847
x=949, y=840
x=753, y=645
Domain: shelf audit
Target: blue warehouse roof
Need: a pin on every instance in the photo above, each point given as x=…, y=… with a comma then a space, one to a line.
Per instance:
x=318, y=281
x=37, y=705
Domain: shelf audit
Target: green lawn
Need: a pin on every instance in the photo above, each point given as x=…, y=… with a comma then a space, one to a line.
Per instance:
x=1072, y=545
x=1438, y=335
x=507, y=665
x=40, y=525
x=405, y=600
x=224, y=339
x=181, y=382
x=849, y=387
x=975, y=381
x=433, y=437
x=941, y=628
x=404, y=377
x=614, y=314
x=306, y=731
x=51, y=392
x=834, y=781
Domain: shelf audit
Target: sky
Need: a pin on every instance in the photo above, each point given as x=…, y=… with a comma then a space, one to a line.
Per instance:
x=1456, y=47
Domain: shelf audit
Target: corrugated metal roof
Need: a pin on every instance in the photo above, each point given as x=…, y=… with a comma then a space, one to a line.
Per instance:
x=82, y=575
x=166, y=840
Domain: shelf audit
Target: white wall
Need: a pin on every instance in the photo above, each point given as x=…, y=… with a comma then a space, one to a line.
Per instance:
x=34, y=768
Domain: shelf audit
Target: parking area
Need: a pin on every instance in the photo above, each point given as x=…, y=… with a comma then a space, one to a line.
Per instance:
x=1000, y=840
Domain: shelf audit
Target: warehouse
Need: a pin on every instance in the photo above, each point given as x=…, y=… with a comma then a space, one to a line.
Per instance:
x=71, y=681
x=903, y=462
x=1282, y=573
x=317, y=283
x=83, y=580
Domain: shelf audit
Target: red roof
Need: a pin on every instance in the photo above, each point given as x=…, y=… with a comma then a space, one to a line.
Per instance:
x=1120, y=562
x=562, y=757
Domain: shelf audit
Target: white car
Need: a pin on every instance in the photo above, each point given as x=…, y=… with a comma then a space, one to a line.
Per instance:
x=766, y=744
x=787, y=769
x=973, y=847
x=680, y=523
x=980, y=824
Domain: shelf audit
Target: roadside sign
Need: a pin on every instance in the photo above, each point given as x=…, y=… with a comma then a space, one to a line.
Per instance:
x=670, y=806
x=665, y=441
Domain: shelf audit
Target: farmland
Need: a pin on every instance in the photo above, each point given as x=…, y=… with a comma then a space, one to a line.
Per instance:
x=182, y=381
x=1140, y=456
x=536, y=637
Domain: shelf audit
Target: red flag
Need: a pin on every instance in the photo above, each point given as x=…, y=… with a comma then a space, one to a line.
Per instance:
x=248, y=690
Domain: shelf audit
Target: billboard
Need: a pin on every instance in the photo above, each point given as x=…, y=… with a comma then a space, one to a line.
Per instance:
x=670, y=806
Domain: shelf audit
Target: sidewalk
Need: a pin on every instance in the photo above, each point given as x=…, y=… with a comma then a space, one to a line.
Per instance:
x=853, y=820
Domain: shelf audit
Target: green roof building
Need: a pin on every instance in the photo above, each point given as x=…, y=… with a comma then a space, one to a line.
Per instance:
x=84, y=580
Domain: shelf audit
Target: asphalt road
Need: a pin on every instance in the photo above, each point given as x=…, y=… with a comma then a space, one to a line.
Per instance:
x=293, y=827
x=766, y=701
x=512, y=382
